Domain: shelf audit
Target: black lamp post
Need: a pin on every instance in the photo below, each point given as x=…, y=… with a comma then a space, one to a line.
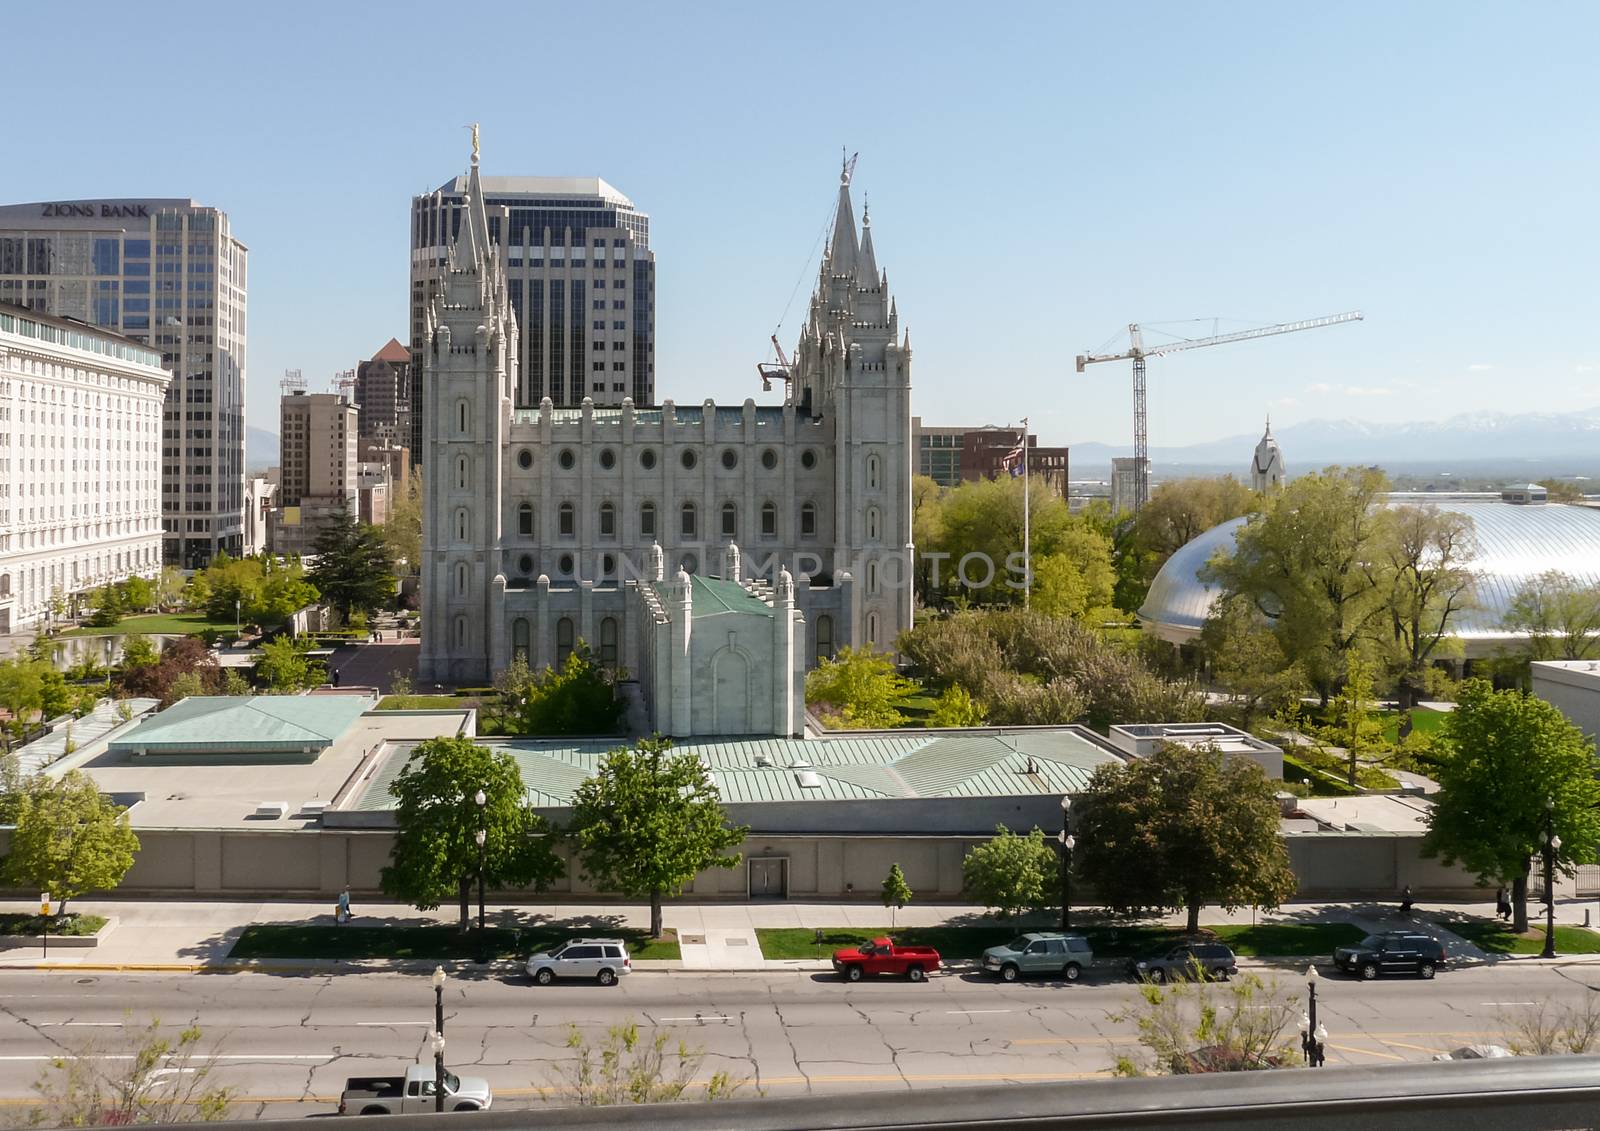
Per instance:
x=482, y=837
x=437, y=1041
x=1067, y=842
x=1552, y=845
x=1313, y=1037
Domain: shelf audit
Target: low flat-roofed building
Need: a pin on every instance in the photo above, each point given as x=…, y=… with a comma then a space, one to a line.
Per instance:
x=1573, y=688
x=1141, y=740
x=294, y=727
x=1369, y=813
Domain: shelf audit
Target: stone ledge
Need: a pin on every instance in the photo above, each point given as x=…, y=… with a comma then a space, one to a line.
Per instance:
x=65, y=942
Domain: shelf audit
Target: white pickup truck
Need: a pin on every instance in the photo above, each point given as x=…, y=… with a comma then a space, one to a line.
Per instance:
x=413, y=1093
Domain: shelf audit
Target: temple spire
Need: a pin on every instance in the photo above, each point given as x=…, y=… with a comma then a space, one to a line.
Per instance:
x=843, y=246
x=867, y=263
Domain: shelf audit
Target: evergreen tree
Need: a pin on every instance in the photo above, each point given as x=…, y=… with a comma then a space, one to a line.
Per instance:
x=354, y=571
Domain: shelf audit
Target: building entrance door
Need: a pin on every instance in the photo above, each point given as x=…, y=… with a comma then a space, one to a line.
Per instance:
x=769, y=877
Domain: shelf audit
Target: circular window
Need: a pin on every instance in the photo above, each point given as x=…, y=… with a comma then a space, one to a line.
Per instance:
x=688, y=459
x=568, y=460
x=730, y=458
x=608, y=565
x=647, y=458
x=608, y=458
x=769, y=459
x=525, y=564
x=525, y=459
x=565, y=565
x=808, y=459
x=690, y=563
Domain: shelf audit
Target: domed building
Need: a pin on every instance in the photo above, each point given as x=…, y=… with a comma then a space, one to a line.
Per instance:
x=1519, y=534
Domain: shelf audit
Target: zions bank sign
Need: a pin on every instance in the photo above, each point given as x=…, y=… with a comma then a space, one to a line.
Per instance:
x=106, y=211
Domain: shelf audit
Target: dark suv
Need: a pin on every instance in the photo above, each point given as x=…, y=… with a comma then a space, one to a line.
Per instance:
x=1392, y=952
x=1210, y=959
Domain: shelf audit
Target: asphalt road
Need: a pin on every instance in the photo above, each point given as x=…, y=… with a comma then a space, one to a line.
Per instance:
x=287, y=1041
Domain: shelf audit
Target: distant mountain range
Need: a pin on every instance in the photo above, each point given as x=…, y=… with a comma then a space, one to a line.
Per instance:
x=261, y=449
x=1535, y=438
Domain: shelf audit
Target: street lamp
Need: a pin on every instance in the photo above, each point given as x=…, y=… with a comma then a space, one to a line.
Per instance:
x=1312, y=1036
x=238, y=616
x=1552, y=845
x=1067, y=842
x=438, y=1037
x=482, y=837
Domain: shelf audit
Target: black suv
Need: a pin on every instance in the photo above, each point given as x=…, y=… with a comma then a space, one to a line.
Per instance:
x=1392, y=952
x=1212, y=960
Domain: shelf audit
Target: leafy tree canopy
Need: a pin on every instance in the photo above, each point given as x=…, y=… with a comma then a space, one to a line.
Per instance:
x=286, y=666
x=1246, y=660
x=578, y=698
x=1012, y=873
x=1560, y=614
x=354, y=570
x=859, y=688
x=69, y=839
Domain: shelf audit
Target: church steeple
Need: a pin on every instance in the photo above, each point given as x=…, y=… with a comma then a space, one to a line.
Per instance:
x=866, y=261
x=842, y=257
x=1267, y=471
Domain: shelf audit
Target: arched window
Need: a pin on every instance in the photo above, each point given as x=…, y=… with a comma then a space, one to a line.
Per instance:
x=824, y=638
x=608, y=520
x=461, y=632
x=461, y=473
x=730, y=521
x=872, y=630
x=647, y=521
x=564, y=640
x=461, y=579
x=686, y=521
x=872, y=472
x=567, y=523
x=519, y=639
x=462, y=526
x=608, y=642
x=769, y=520
x=808, y=520
x=525, y=519
x=872, y=524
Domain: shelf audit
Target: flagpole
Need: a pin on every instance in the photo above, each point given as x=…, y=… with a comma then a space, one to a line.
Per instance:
x=1027, y=541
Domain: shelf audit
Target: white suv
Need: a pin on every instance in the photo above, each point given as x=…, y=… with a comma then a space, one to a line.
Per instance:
x=604, y=960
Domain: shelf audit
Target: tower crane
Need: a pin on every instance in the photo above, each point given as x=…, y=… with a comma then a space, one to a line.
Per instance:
x=1137, y=353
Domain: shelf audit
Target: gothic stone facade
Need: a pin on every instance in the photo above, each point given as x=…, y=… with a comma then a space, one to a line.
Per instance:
x=540, y=523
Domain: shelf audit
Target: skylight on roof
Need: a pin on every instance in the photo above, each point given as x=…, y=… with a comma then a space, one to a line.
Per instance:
x=808, y=779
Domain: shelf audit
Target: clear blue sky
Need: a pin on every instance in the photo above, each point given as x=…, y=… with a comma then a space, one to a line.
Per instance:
x=1040, y=175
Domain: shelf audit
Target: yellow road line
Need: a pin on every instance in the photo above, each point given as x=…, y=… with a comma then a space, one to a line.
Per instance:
x=1367, y=1052
x=1418, y=1048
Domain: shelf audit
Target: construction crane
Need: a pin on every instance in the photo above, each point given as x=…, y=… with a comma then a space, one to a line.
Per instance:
x=1137, y=353
x=781, y=371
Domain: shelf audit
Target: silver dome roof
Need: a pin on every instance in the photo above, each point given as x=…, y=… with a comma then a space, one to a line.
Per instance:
x=1515, y=544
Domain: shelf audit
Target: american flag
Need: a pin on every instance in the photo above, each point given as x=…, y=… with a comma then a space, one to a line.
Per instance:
x=1012, y=460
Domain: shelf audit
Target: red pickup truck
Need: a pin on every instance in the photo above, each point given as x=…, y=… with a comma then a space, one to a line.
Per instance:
x=882, y=956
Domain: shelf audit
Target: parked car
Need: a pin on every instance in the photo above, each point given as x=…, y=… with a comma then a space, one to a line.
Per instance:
x=1039, y=952
x=1392, y=952
x=883, y=956
x=603, y=960
x=1209, y=959
x=413, y=1092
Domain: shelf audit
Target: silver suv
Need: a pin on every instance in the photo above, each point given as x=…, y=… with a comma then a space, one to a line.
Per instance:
x=604, y=960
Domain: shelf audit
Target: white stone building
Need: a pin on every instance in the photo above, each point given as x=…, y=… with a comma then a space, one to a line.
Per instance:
x=80, y=462
x=540, y=522
x=1267, y=471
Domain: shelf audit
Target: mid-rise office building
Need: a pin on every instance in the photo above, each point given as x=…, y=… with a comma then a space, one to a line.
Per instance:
x=80, y=462
x=383, y=399
x=580, y=276
x=1127, y=472
x=170, y=274
x=950, y=456
x=317, y=481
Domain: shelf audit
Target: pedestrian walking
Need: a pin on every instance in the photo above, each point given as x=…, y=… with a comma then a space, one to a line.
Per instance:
x=1405, y=903
x=1502, y=903
x=343, y=913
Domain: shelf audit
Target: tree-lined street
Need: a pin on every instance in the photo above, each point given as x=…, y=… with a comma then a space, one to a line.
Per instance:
x=288, y=1041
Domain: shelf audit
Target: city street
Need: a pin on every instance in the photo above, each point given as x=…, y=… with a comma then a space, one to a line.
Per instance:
x=287, y=1041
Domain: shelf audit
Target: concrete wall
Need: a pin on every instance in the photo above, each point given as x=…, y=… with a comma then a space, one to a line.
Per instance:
x=246, y=862
x=1576, y=694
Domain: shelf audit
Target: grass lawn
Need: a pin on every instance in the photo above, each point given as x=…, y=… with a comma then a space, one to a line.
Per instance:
x=422, y=703
x=295, y=940
x=1423, y=721
x=180, y=624
x=78, y=926
x=1108, y=941
x=1497, y=938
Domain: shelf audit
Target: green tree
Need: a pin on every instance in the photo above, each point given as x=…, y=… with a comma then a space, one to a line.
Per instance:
x=56, y=695
x=435, y=853
x=138, y=593
x=403, y=528
x=1245, y=660
x=108, y=607
x=169, y=587
x=187, y=668
x=284, y=591
x=983, y=519
x=232, y=588
x=955, y=708
x=139, y=651
x=859, y=687
x=285, y=665
x=1562, y=490
x=648, y=821
x=1011, y=873
x=354, y=570
x=1078, y=579
x=1356, y=730
x=579, y=698
x=21, y=693
x=1511, y=768
x=1180, y=510
x=234, y=684
x=1182, y=828
x=1559, y=614
x=896, y=892
x=1428, y=573
x=69, y=839
x=1311, y=565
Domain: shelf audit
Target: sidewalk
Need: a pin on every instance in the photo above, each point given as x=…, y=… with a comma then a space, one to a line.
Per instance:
x=198, y=934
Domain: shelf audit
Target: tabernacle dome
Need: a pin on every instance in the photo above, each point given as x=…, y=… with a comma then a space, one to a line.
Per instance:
x=1519, y=537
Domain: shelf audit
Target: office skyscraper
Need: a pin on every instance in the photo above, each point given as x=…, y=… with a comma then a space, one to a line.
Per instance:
x=169, y=274
x=581, y=277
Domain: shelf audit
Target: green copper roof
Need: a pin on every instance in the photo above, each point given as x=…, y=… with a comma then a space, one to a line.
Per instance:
x=712, y=596
x=976, y=763
x=227, y=724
